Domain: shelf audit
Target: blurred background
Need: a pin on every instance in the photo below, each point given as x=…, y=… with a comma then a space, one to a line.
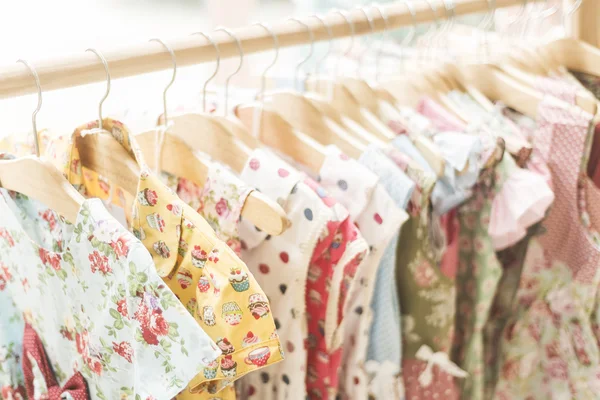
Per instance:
x=37, y=29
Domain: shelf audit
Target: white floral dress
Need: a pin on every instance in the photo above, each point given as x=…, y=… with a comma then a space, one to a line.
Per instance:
x=91, y=292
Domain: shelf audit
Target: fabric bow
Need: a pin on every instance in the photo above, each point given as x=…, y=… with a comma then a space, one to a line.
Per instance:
x=441, y=360
x=384, y=378
x=33, y=351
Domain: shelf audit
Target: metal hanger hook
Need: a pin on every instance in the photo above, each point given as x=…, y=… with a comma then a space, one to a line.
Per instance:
x=170, y=50
x=241, y=51
x=312, y=48
x=319, y=62
x=218, y=65
x=263, y=77
x=105, y=64
x=372, y=30
x=344, y=15
x=384, y=35
x=39, y=105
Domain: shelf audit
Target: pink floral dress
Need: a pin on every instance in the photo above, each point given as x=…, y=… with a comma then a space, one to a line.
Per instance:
x=549, y=347
x=281, y=265
x=91, y=292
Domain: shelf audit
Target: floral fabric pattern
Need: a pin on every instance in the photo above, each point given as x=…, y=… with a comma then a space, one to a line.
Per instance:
x=207, y=276
x=549, y=347
x=106, y=313
x=281, y=266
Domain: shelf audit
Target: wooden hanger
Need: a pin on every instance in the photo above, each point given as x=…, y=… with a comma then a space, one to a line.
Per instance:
x=339, y=94
x=300, y=112
x=212, y=135
x=407, y=92
x=99, y=151
x=38, y=178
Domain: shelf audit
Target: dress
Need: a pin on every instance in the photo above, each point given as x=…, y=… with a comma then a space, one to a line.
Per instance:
x=203, y=271
x=549, y=348
x=379, y=219
x=91, y=292
x=335, y=261
x=280, y=264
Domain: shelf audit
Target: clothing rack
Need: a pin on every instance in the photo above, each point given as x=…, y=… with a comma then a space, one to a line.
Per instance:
x=85, y=67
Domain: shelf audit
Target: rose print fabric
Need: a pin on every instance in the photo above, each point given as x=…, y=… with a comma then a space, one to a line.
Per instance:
x=204, y=272
x=549, y=349
x=281, y=266
x=105, y=313
x=427, y=298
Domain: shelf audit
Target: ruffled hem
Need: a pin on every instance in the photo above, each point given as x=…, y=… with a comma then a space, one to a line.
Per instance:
x=523, y=201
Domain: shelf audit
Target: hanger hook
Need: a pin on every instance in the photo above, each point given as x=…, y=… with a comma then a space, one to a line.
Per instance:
x=372, y=30
x=450, y=8
x=263, y=77
x=312, y=48
x=489, y=16
x=218, y=65
x=344, y=15
x=430, y=34
x=105, y=64
x=384, y=36
x=39, y=104
x=241, y=51
x=329, y=41
x=170, y=50
x=567, y=14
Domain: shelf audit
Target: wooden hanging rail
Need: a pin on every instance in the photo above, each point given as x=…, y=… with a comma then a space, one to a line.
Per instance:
x=84, y=67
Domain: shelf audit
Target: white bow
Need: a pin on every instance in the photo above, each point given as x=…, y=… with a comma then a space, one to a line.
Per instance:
x=384, y=379
x=441, y=360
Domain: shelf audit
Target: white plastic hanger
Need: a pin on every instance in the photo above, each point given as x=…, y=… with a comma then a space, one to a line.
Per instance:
x=36, y=177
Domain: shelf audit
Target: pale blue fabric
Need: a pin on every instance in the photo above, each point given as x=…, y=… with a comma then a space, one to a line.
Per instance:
x=385, y=304
x=459, y=150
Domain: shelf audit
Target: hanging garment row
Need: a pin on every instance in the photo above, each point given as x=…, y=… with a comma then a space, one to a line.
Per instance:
x=420, y=233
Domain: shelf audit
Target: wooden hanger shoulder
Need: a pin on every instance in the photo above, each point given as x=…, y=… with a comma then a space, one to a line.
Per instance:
x=305, y=115
x=100, y=152
x=279, y=134
x=39, y=179
x=178, y=158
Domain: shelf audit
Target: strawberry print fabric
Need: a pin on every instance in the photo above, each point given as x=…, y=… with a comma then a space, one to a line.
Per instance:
x=207, y=276
x=281, y=265
x=549, y=346
x=105, y=312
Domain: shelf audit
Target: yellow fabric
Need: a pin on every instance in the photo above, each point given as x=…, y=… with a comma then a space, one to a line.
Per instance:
x=192, y=262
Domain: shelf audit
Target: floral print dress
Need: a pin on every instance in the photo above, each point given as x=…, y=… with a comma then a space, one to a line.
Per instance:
x=281, y=266
x=427, y=298
x=549, y=346
x=203, y=271
x=91, y=292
